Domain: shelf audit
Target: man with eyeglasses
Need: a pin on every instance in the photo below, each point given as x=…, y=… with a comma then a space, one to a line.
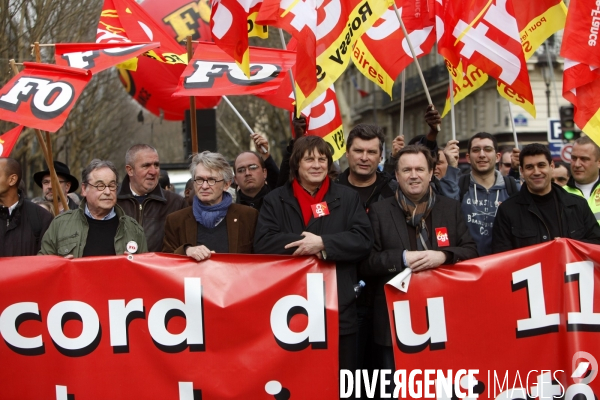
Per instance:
x=99, y=227
x=255, y=175
x=142, y=198
x=483, y=190
x=68, y=184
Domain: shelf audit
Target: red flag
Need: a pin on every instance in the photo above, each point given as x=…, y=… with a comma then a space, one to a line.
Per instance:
x=42, y=95
x=126, y=21
x=372, y=55
x=229, y=26
x=8, y=140
x=581, y=77
x=211, y=72
x=487, y=36
x=537, y=21
x=326, y=33
x=97, y=57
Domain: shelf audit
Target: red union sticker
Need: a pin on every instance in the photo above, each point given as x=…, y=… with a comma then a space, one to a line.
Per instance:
x=320, y=210
x=441, y=235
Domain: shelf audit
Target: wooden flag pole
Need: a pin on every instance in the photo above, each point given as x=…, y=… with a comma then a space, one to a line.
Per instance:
x=57, y=193
x=193, y=125
x=414, y=55
x=452, y=117
x=262, y=148
x=401, y=130
x=291, y=73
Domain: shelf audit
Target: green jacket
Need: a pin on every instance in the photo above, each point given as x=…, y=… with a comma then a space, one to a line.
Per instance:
x=593, y=201
x=68, y=232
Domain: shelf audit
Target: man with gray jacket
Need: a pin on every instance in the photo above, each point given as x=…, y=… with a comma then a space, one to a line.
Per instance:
x=99, y=227
x=483, y=190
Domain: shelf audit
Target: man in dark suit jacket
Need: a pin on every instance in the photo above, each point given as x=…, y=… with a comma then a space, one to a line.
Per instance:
x=416, y=229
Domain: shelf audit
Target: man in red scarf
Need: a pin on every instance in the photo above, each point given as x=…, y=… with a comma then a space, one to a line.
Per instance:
x=312, y=215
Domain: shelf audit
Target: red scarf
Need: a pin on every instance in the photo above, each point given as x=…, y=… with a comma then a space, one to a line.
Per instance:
x=305, y=200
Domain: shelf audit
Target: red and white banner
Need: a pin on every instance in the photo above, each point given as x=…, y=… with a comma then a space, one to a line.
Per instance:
x=42, y=95
x=527, y=320
x=212, y=72
x=97, y=57
x=158, y=326
x=9, y=139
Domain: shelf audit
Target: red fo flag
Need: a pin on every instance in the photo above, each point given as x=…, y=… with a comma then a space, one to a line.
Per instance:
x=210, y=72
x=97, y=57
x=9, y=139
x=229, y=23
x=126, y=21
x=42, y=95
x=486, y=35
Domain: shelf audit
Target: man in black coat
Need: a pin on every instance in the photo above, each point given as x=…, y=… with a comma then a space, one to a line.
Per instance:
x=417, y=229
x=541, y=211
x=288, y=223
x=22, y=223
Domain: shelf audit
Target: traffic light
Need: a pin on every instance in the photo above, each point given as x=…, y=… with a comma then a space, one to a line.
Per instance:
x=567, y=124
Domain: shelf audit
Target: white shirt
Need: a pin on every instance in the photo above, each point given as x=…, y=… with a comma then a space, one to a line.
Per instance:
x=586, y=189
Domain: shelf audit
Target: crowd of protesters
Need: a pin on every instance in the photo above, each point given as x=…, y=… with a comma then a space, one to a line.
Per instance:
x=417, y=212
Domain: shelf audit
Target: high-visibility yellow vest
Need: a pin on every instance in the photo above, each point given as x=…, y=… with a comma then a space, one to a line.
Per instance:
x=593, y=201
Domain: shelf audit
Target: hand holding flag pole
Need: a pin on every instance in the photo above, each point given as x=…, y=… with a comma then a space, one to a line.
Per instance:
x=262, y=148
x=414, y=56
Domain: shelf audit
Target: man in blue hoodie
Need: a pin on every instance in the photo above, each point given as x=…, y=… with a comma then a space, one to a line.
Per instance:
x=483, y=190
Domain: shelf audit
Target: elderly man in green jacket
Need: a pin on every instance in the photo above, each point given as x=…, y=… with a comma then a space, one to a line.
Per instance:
x=99, y=227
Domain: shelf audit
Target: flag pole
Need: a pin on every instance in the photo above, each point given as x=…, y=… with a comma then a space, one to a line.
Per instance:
x=452, y=117
x=291, y=73
x=193, y=125
x=57, y=193
x=401, y=130
x=551, y=70
x=414, y=55
x=242, y=119
x=512, y=124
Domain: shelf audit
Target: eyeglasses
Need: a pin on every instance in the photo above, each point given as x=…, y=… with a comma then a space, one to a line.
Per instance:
x=506, y=165
x=101, y=186
x=47, y=182
x=251, y=168
x=210, y=181
x=487, y=149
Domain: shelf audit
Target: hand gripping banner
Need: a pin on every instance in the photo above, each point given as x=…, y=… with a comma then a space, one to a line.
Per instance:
x=212, y=72
x=42, y=95
x=158, y=326
x=517, y=325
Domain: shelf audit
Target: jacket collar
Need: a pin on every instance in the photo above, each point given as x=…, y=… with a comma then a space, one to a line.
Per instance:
x=564, y=198
x=571, y=183
x=125, y=192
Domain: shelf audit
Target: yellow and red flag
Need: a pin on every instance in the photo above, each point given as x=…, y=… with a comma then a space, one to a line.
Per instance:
x=485, y=35
x=9, y=139
x=383, y=51
x=537, y=21
x=326, y=31
x=231, y=23
x=126, y=21
x=581, y=77
x=470, y=81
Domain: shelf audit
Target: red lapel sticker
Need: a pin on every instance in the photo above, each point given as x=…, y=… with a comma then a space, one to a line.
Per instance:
x=441, y=235
x=320, y=210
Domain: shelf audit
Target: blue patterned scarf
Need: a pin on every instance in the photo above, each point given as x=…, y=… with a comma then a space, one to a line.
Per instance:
x=209, y=216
